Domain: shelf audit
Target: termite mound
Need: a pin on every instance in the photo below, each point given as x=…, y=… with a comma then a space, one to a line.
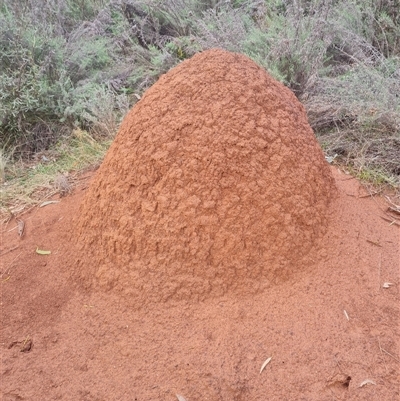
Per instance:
x=214, y=183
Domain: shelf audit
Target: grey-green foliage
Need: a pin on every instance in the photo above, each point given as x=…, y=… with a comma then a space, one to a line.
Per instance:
x=28, y=74
x=299, y=41
x=329, y=53
x=287, y=39
x=66, y=63
x=361, y=75
x=41, y=74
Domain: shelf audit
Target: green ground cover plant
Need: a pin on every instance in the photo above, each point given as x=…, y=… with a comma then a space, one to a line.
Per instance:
x=78, y=66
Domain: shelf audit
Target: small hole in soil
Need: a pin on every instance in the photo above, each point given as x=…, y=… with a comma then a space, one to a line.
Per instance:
x=346, y=383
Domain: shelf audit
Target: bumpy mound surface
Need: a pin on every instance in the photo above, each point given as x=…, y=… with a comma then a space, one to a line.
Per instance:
x=214, y=183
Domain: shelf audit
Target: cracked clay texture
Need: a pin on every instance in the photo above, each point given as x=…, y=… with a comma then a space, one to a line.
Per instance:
x=214, y=184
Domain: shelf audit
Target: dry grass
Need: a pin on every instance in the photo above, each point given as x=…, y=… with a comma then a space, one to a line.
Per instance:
x=371, y=155
x=4, y=159
x=28, y=183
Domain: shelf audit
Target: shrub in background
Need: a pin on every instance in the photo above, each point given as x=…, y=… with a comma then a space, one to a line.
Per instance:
x=68, y=64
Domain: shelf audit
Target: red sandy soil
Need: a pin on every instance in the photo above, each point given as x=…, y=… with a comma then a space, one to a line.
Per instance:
x=59, y=342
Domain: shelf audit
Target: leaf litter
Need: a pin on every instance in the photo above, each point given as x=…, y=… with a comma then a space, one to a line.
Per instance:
x=387, y=285
x=21, y=227
x=42, y=252
x=48, y=203
x=265, y=364
x=367, y=381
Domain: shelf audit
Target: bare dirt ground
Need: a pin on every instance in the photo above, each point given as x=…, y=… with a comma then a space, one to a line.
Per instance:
x=332, y=330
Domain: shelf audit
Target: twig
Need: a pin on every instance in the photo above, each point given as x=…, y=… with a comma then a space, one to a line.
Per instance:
x=7, y=270
x=396, y=359
x=379, y=272
x=392, y=221
x=380, y=349
x=370, y=194
x=388, y=353
x=374, y=243
x=9, y=250
x=395, y=207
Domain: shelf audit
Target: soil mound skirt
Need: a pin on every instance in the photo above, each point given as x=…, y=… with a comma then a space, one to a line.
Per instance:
x=214, y=183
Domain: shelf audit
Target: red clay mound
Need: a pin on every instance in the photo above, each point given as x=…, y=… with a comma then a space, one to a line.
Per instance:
x=214, y=183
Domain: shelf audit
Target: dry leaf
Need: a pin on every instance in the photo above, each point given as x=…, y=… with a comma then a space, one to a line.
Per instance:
x=180, y=398
x=21, y=227
x=365, y=382
x=41, y=252
x=48, y=203
x=265, y=364
x=387, y=285
x=27, y=345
